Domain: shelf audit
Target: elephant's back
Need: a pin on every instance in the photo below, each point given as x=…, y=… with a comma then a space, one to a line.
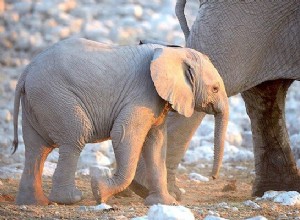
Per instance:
x=248, y=40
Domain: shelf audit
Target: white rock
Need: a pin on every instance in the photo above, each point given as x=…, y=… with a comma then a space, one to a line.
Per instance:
x=234, y=154
x=291, y=198
x=213, y=213
x=241, y=168
x=104, y=147
x=53, y=156
x=49, y=168
x=223, y=205
x=251, y=204
x=206, y=152
x=100, y=171
x=163, y=212
x=182, y=190
x=234, y=209
x=270, y=195
x=198, y=177
x=88, y=159
x=102, y=206
x=84, y=172
x=23, y=207
x=181, y=168
x=233, y=135
x=257, y=218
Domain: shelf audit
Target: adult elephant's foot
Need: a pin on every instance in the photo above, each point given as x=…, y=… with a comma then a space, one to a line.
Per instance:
x=155, y=198
x=289, y=183
x=65, y=195
x=275, y=165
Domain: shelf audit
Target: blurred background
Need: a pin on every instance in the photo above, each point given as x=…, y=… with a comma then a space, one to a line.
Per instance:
x=29, y=26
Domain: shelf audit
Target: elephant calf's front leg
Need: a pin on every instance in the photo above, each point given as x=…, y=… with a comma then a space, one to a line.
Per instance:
x=127, y=140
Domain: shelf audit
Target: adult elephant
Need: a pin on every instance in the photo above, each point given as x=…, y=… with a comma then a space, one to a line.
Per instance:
x=255, y=45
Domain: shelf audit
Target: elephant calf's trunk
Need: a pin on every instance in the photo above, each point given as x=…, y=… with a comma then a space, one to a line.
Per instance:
x=221, y=121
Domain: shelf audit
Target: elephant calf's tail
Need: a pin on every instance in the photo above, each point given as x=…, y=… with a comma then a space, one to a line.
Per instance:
x=18, y=92
x=179, y=11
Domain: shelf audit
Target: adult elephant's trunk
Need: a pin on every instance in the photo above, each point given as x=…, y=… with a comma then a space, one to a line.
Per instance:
x=221, y=121
x=179, y=10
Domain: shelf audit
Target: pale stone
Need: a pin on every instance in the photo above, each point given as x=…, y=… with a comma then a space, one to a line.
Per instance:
x=162, y=212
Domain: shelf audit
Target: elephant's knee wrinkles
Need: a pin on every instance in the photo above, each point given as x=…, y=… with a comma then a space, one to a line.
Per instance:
x=117, y=135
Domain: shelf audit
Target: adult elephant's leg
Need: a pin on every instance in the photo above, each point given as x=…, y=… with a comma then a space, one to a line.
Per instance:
x=274, y=163
x=180, y=132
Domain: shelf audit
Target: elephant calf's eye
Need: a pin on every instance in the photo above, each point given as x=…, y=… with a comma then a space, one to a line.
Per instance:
x=215, y=89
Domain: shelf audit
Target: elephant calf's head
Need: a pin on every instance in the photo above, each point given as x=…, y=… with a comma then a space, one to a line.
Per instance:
x=188, y=81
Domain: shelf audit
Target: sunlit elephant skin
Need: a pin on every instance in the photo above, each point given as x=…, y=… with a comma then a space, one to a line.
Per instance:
x=255, y=45
x=80, y=91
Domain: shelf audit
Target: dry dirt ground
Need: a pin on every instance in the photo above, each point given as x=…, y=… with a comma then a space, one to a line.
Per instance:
x=233, y=187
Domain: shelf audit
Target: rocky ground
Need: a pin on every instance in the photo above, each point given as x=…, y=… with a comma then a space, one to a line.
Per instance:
x=29, y=26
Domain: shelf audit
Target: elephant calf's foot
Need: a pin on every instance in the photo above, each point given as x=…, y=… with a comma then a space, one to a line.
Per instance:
x=65, y=195
x=175, y=191
x=100, y=191
x=165, y=199
x=286, y=184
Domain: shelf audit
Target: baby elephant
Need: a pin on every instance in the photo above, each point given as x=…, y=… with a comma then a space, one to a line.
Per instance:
x=79, y=91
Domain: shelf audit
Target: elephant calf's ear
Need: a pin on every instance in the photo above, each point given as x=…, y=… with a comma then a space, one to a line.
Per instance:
x=168, y=74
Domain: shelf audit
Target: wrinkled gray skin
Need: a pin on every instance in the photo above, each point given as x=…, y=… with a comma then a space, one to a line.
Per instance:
x=80, y=91
x=255, y=45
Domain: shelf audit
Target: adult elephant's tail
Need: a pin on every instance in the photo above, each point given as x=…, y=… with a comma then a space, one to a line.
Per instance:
x=179, y=10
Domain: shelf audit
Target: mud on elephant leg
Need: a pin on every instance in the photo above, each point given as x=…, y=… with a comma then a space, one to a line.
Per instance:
x=36, y=152
x=274, y=163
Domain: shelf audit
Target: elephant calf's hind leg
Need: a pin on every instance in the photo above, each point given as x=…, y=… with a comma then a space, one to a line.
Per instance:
x=64, y=190
x=36, y=152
